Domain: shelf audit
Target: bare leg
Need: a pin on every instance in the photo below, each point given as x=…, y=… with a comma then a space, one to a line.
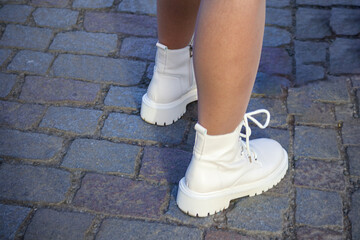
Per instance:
x=176, y=21
x=227, y=49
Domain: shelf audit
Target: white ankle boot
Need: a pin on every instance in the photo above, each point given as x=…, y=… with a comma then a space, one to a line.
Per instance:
x=224, y=167
x=172, y=87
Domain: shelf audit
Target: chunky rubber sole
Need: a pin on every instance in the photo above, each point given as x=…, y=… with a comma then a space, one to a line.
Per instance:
x=163, y=114
x=205, y=204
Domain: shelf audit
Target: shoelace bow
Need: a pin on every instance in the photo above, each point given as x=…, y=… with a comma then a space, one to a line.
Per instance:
x=245, y=123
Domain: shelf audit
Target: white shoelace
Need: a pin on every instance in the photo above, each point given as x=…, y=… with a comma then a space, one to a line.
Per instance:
x=245, y=123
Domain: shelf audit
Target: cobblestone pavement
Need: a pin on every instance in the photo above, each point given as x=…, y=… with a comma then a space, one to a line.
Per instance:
x=77, y=162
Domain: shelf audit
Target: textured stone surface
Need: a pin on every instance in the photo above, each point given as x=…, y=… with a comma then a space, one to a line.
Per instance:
x=354, y=214
x=318, y=208
x=116, y=195
x=50, y=3
x=138, y=6
x=275, y=60
x=319, y=174
x=312, y=23
x=280, y=135
x=270, y=85
x=41, y=89
x=133, y=127
x=280, y=17
x=350, y=131
x=164, y=164
x=10, y=218
x=310, y=52
x=15, y=13
x=92, y=3
x=329, y=2
x=99, y=69
x=309, y=73
x=315, y=142
x=354, y=163
x=25, y=37
x=53, y=17
x=101, y=156
x=129, y=97
x=274, y=37
x=28, y=145
x=345, y=21
x=20, y=115
x=76, y=120
x=278, y=3
x=120, y=23
x=31, y=61
x=29, y=183
x=139, y=47
x=128, y=229
x=259, y=213
x=344, y=56
x=304, y=233
x=226, y=235
x=4, y=54
x=85, y=43
x=7, y=82
x=52, y=224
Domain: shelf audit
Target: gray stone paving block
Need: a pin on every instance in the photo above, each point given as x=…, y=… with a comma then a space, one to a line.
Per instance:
x=20, y=115
x=280, y=135
x=280, y=17
x=132, y=126
x=101, y=156
x=309, y=52
x=117, y=195
x=308, y=73
x=354, y=214
x=164, y=164
x=150, y=70
x=7, y=82
x=315, y=142
x=305, y=233
x=129, y=97
x=329, y=2
x=275, y=60
x=26, y=37
x=83, y=121
x=139, y=47
x=10, y=218
x=228, y=235
x=350, y=130
x=130, y=229
x=278, y=3
x=50, y=3
x=312, y=23
x=319, y=174
x=270, y=85
x=99, y=69
x=15, y=13
x=53, y=17
x=31, y=61
x=353, y=154
x=259, y=213
x=345, y=21
x=52, y=224
x=29, y=183
x=41, y=89
x=344, y=56
x=28, y=145
x=92, y=3
x=318, y=208
x=85, y=43
x=121, y=23
x=274, y=37
x=4, y=54
x=138, y=6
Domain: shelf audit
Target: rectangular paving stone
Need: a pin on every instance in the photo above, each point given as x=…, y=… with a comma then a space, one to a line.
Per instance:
x=315, y=142
x=31, y=61
x=129, y=97
x=99, y=69
x=15, y=13
x=11, y=217
x=345, y=21
x=121, y=23
x=53, y=224
x=319, y=174
x=259, y=213
x=312, y=23
x=4, y=54
x=28, y=145
x=318, y=208
x=139, y=47
x=50, y=3
x=53, y=17
x=354, y=214
x=329, y=2
x=275, y=60
x=226, y=235
x=310, y=52
x=133, y=127
x=19, y=115
x=7, y=82
x=309, y=73
x=150, y=70
x=274, y=37
x=82, y=121
x=350, y=130
x=280, y=135
x=278, y=3
x=353, y=154
x=41, y=89
x=344, y=56
x=280, y=17
x=304, y=233
x=85, y=43
x=92, y=3
x=117, y=195
x=101, y=156
x=128, y=229
x=270, y=85
x=26, y=37
x=30, y=183
x=138, y=6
